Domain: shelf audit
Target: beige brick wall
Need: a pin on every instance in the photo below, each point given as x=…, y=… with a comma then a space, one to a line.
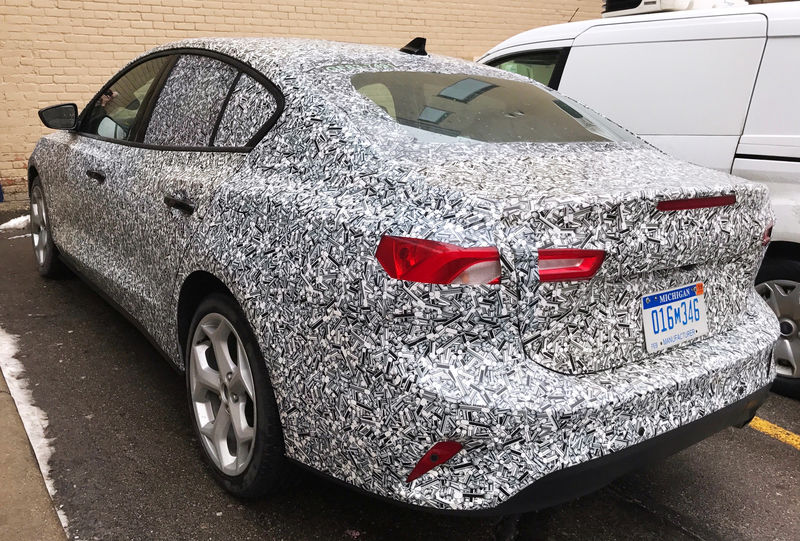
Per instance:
x=63, y=50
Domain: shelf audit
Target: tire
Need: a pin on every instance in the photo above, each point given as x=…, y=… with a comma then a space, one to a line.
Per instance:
x=778, y=282
x=246, y=468
x=787, y=387
x=44, y=251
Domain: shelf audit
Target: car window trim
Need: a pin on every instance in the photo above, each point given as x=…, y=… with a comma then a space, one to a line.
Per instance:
x=224, y=107
x=558, y=69
x=143, y=120
x=120, y=74
x=177, y=52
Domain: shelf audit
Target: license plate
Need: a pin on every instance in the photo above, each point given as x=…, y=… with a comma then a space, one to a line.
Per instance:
x=674, y=316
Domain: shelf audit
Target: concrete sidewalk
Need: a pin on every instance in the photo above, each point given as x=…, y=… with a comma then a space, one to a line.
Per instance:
x=26, y=511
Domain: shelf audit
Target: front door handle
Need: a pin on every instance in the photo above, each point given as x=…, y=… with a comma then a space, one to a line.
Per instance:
x=96, y=175
x=180, y=201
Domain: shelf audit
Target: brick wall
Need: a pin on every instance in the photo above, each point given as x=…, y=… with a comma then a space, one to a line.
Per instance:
x=57, y=51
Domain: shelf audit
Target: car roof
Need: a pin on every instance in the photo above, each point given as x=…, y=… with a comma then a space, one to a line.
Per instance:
x=784, y=19
x=286, y=59
x=317, y=74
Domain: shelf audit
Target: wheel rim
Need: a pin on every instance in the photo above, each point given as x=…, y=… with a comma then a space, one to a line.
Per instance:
x=783, y=296
x=222, y=394
x=39, y=230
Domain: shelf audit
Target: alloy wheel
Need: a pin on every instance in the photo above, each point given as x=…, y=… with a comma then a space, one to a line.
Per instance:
x=222, y=394
x=39, y=225
x=783, y=296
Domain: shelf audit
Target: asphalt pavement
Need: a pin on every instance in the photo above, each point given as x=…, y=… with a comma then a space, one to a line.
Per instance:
x=125, y=464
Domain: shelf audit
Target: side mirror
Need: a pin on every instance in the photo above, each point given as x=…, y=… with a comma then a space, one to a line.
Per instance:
x=60, y=117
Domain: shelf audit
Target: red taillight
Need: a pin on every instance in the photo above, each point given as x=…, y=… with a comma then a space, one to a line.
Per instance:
x=431, y=262
x=767, y=236
x=438, y=454
x=696, y=203
x=564, y=264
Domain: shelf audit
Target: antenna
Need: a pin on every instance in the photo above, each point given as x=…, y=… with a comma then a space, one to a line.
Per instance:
x=573, y=14
x=415, y=46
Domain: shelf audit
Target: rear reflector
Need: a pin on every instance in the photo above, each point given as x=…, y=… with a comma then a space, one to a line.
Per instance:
x=564, y=264
x=696, y=203
x=432, y=262
x=438, y=454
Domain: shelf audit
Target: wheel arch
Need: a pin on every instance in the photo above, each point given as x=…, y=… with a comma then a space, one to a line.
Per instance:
x=196, y=287
x=32, y=174
x=784, y=249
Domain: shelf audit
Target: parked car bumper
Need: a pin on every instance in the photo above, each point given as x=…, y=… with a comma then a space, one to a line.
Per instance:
x=573, y=482
x=548, y=437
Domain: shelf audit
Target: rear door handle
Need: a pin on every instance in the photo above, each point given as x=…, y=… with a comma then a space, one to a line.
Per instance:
x=180, y=201
x=96, y=175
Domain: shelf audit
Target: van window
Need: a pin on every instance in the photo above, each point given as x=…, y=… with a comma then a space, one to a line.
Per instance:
x=543, y=66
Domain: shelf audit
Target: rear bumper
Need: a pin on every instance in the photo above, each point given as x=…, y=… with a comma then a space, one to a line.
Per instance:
x=564, y=485
x=532, y=437
x=549, y=437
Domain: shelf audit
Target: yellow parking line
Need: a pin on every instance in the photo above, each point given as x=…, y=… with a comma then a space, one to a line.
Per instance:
x=774, y=431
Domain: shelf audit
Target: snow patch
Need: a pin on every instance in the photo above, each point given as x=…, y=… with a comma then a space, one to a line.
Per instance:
x=33, y=418
x=19, y=236
x=20, y=222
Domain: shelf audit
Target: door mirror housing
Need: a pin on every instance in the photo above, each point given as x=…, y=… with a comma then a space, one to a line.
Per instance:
x=60, y=117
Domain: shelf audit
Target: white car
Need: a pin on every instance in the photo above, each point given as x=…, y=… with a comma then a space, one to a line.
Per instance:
x=716, y=87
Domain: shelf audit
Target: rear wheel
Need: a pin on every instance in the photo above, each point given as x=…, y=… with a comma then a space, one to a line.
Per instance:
x=47, y=261
x=231, y=402
x=778, y=283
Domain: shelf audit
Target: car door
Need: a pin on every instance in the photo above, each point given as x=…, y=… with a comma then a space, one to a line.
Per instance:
x=204, y=121
x=769, y=149
x=79, y=170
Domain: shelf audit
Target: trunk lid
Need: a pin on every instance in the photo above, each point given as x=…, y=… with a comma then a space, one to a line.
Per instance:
x=606, y=197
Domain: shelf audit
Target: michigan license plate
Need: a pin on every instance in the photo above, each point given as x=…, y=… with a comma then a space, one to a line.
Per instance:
x=674, y=316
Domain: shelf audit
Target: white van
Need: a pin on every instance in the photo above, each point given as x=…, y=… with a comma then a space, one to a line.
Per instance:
x=717, y=87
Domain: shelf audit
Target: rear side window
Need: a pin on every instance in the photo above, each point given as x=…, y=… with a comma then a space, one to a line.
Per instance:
x=190, y=102
x=543, y=66
x=445, y=108
x=114, y=114
x=248, y=109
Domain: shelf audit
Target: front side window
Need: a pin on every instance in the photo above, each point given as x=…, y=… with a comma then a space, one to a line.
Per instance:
x=444, y=108
x=190, y=102
x=115, y=112
x=541, y=66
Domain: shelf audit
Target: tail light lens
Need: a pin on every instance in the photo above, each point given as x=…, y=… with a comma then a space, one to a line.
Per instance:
x=767, y=236
x=431, y=262
x=564, y=264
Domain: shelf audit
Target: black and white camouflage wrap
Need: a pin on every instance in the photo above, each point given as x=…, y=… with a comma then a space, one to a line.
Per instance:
x=178, y=122
x=369, y=372
x=249, y=107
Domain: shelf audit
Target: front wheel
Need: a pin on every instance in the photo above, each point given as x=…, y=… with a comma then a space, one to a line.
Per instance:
x=232, y=406
x=779, y=285
x=47, y=261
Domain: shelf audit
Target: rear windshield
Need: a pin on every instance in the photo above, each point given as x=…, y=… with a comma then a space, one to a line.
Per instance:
x=439, y=107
